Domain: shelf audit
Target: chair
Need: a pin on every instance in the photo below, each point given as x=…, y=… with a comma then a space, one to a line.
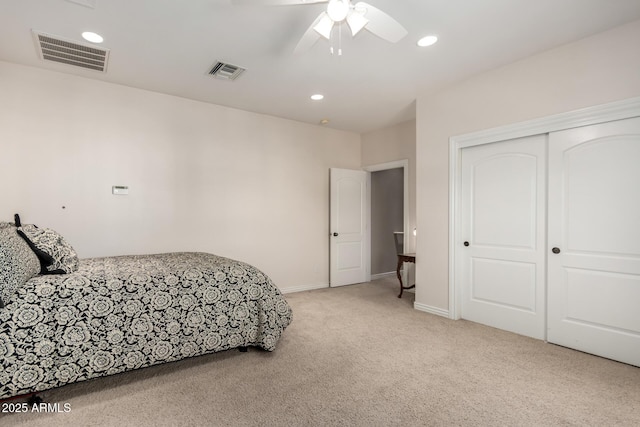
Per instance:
x=398, y=237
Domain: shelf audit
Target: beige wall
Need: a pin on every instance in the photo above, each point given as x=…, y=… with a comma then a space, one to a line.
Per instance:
x=201, y=177
x=390, y=144
x=596, y=70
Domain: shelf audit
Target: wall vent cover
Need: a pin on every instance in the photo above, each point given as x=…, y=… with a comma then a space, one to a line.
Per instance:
x=56, y=49
x=226, y=71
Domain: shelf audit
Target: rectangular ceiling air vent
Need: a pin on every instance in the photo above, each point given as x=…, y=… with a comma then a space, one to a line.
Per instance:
x=226, y=71
x=53, y=48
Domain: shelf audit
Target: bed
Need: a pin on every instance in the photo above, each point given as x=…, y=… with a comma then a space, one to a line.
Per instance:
x=117, y=314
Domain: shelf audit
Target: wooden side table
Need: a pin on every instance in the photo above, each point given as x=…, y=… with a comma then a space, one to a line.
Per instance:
x=402, y=258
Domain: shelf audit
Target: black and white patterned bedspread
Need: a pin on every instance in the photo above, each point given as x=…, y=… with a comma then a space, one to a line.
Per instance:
x=121, y=313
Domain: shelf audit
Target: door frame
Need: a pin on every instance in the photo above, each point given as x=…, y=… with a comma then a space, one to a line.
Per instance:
x=404, y=164
x=583, y=117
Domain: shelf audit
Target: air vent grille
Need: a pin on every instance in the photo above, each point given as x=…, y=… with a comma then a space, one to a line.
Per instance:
x=226, y=71
x=52, y=48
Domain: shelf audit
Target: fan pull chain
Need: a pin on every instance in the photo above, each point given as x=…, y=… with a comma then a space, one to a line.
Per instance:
x=331, y=39
x=340, y=40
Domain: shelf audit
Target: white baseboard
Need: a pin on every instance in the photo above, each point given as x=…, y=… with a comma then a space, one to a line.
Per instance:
x=383, y=275
x=433, y=310
x=302, y=288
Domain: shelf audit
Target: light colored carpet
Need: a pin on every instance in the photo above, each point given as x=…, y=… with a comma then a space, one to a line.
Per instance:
x=359, y=356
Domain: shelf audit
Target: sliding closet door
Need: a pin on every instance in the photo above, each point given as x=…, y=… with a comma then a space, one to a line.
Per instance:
x=501, y=253
x=594, y=239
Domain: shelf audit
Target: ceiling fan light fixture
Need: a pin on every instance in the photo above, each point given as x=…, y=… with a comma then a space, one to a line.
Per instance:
x=324, y=26
x=357, y=15
x=356, y=22
x=338, y=10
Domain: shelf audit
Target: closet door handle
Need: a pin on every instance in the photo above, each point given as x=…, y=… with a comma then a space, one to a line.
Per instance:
x=466, y=243
x=335, y=234
x=555, y=250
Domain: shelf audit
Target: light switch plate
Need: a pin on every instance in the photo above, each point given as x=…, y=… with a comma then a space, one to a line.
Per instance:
x=120, y=190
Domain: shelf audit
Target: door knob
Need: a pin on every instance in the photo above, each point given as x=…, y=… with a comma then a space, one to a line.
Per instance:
x=555, y=250
x=466, y=243
x=335, y=234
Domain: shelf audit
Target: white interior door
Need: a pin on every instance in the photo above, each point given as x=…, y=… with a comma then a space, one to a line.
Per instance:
x=502, y=236
x=594, y=222
x=349, y=249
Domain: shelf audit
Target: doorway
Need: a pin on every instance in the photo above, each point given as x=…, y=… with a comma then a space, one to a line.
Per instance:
x=387, y=218
x=350, y=223
x=389, y=213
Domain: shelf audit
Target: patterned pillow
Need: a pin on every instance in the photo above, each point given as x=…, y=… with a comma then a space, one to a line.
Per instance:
x=18, y=263
x=56, y=255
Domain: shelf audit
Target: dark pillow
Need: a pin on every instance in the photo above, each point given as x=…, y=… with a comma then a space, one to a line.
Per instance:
x=46, y=260
x=55, y=254
x=18, y=263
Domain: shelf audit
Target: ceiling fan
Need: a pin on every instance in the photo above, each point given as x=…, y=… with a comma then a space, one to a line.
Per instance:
x=357, y=16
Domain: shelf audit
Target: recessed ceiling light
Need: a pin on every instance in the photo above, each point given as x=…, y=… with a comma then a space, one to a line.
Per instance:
x=92, y=37
x=427, y=41
x=317, y=97
x=324, y=121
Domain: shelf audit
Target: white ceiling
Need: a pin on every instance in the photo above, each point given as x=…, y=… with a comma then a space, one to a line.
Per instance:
x=169, y=46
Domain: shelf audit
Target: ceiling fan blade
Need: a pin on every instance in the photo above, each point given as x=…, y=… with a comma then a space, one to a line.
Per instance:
x=381, y=24
x=324, y=25
x=310, y=37
x=356, y=21
x=276, y=2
